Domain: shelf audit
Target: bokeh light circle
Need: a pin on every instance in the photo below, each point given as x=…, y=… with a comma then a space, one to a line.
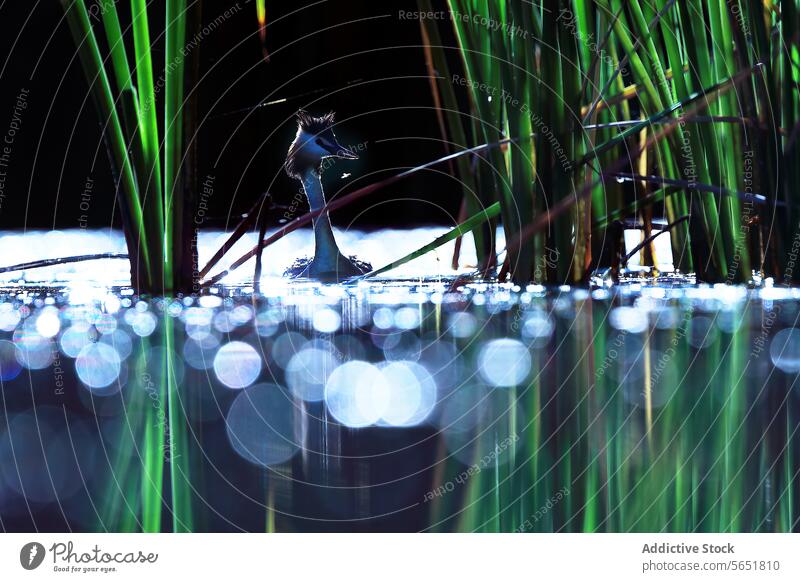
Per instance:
x=504, y=362
x=237, y=364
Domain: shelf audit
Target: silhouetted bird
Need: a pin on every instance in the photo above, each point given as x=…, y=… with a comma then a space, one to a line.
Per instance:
x=314, y=142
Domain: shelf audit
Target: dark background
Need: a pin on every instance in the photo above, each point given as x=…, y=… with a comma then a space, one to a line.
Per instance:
x=355, y=57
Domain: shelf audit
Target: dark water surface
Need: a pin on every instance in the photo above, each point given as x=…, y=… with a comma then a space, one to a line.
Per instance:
x=403, y=407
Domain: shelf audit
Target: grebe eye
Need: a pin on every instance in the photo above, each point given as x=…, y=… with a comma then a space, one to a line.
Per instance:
x=318, y=141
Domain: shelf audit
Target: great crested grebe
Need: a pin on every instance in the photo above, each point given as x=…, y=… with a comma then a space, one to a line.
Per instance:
x=315, y=141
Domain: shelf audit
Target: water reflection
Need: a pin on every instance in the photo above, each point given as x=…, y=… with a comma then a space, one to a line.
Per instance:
x=348, y=407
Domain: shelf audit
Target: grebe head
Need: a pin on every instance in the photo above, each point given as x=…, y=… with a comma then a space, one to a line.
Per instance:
x=314, y=142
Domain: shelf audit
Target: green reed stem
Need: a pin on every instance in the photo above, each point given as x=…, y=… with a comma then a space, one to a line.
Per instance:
x=179, y=451
x=173, y=136
x=467, y=226
x=80, y=26
x=148, y=124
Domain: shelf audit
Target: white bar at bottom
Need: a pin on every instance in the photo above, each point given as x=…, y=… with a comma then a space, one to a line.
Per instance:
x=403, y=557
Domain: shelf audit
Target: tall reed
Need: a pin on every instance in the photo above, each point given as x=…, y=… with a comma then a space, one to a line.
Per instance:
x=151, y=197
x=578, y=74
x=156, y=203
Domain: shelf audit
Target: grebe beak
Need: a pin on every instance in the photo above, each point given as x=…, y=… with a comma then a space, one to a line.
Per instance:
x=339, y=151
